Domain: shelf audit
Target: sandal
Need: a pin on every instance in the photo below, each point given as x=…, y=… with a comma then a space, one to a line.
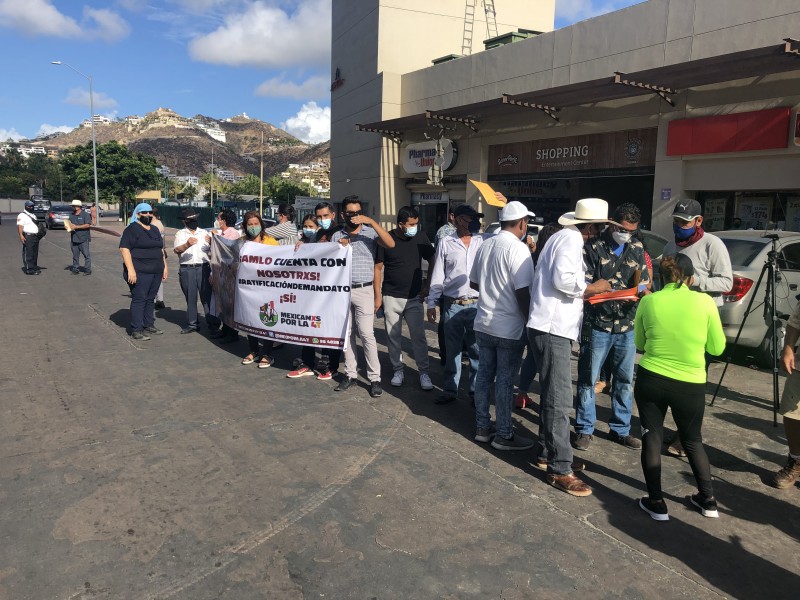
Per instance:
x=265, y=362
x=250, y=359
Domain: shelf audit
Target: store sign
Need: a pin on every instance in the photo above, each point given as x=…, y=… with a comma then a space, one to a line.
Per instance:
x=430, y=197
x=420, y=157
x=617, y=150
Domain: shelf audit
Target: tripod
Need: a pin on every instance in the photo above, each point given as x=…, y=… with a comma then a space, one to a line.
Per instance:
x=770, y=310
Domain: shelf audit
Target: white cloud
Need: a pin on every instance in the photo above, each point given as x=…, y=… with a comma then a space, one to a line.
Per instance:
x=80, y=97
x=47, y=129
x=311, y=124
x=267, y=36
x=10, y=135
x=572, y=11
x=277, y=87
x=40, y=17
x=105, y=25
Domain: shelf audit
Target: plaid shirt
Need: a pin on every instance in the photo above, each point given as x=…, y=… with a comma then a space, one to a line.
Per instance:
x=602, y=263
x=365, y=247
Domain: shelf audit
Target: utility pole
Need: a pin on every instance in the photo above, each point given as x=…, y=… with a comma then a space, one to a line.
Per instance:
x=261, y=187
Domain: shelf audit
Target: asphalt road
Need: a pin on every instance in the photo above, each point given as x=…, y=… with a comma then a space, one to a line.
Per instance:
x=165, y=469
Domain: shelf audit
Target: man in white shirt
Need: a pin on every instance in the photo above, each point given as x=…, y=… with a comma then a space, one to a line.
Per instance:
x=192, y=245
x=557, y=293
x=502, y=273
x=28, y=229
x=450, y=282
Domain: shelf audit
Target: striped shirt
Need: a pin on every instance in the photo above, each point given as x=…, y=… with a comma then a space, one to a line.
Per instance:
x=365, y=246
x=285, y=233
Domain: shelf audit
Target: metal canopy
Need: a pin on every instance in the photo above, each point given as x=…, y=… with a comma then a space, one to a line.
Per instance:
x=664, y=81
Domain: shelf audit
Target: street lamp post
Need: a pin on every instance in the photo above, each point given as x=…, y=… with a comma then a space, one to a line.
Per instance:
x=91, y=120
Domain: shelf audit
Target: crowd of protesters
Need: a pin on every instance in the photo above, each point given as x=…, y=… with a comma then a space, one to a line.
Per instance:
x=499, y=298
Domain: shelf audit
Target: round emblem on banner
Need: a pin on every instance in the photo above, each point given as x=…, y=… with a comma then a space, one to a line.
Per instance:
x=268, y=314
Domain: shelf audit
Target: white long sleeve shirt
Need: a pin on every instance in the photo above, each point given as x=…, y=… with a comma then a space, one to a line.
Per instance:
x=450, y=276
x=558, y=286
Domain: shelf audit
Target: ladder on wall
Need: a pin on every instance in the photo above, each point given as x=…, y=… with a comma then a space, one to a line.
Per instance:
x=469, y=25
x=491, y=19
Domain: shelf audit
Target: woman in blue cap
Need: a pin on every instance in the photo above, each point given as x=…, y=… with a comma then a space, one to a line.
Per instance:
x=145, y=267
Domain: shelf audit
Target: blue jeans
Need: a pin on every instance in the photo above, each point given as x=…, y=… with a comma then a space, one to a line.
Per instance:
x=499, y=360
x=552, y=354
x=458, y=320
x=621, y=350
x=77, y=250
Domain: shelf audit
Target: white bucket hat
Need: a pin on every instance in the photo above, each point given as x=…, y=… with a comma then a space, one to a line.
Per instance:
x=587, y=210
x=513, y=211
x=76, y=202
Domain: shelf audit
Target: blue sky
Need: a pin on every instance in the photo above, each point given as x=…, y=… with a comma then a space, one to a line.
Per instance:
x=267, y=58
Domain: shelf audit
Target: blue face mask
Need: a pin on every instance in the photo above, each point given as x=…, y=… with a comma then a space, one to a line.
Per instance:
x=681, y=233
x=308, y=232
x=411, y=231
x=325, y=223
x=474, y=226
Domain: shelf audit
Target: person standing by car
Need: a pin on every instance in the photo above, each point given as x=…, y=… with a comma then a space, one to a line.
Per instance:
x=144, y=268
x=674, y=328
x=80, y=236
x=28, y=229
x=93, y=213
x=790, y=405
x=713, y=273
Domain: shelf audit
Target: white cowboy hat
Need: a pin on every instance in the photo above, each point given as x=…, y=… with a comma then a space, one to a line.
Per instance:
x=587, y=210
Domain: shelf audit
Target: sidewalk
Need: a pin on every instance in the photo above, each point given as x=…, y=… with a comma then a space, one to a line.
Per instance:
x=165, y=469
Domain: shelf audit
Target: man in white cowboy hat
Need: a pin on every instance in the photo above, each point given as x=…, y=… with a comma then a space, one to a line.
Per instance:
x=502, y=273
x=80, y=223
x=556, y=311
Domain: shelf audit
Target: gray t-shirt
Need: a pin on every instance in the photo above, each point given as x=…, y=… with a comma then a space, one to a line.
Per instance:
x=81, y=235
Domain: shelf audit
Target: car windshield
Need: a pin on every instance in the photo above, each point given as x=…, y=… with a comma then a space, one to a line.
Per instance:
x=743, y=252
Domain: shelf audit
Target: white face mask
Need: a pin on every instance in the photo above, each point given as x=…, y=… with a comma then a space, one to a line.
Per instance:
x=217, y=225
x=621, y=237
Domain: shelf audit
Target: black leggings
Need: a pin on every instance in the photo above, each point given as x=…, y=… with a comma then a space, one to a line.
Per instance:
x=654, y=394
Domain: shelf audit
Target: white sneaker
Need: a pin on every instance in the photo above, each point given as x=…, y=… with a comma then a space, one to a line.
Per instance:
x=425, y=381
x=397, y=379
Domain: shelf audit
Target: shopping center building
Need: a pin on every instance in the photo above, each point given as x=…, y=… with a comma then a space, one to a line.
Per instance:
x=666, y=99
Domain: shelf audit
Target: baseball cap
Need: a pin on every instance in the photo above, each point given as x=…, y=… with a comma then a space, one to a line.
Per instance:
x=465, y=210
x=687, y=210
x=513, y=211
x=28, y=203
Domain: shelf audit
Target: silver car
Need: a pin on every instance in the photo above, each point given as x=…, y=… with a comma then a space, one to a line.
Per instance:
x=748, y=251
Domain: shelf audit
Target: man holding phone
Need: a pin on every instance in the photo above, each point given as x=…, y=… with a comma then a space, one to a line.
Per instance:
x=608, y=327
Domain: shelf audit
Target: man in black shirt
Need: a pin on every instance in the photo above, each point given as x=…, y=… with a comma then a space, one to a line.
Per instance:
x=402, y=284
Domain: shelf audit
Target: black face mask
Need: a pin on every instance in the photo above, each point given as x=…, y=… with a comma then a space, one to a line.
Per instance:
x=145, y=219
x=191, y=223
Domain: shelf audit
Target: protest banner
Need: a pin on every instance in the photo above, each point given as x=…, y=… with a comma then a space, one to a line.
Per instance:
x=274, y=292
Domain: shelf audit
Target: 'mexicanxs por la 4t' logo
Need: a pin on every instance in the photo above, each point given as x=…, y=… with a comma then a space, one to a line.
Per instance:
x=268, y=315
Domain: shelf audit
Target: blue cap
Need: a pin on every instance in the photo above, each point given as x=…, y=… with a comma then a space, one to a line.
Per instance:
x=28, y=203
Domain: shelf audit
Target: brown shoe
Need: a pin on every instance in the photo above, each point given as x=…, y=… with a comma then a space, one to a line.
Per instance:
x=599, y=387
x=787, y=475
x=570, y=484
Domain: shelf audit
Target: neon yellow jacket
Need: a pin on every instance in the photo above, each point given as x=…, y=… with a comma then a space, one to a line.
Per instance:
x=674, y=327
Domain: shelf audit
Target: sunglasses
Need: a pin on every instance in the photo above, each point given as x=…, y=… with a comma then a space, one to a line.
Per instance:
x=354, y=213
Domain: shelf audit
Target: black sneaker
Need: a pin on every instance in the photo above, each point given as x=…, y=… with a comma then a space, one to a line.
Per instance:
x=657, y=509
x=516, y=442
x=707, y=506
x=626, y=440
x=140, y=336
x=159, y=305
x=214, y=335
x=346, y=383
x=76, y=272
x=375, y=389
x=154, y=330
x=582, y=441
